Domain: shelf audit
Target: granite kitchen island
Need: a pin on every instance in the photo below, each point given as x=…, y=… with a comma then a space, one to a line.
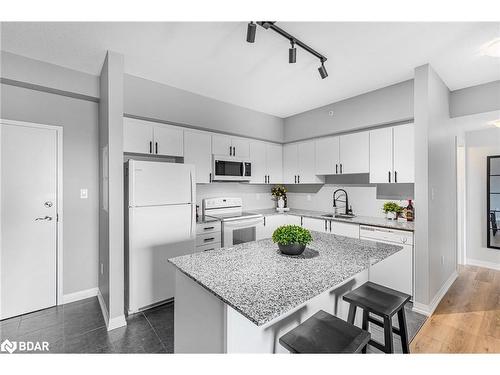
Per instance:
x=242, y=299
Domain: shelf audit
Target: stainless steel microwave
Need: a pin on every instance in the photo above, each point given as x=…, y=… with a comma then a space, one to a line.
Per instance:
x=230, y=168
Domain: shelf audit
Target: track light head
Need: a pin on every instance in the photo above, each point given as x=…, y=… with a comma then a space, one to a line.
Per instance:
x=292, y=53
x=251, y=29
x=322, y=70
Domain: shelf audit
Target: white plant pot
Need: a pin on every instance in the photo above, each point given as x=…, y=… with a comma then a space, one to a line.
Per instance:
x=391, y=215
x=281, y=203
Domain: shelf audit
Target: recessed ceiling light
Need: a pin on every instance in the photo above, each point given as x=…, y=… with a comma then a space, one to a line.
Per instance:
x=495, y=123
x=491, y=48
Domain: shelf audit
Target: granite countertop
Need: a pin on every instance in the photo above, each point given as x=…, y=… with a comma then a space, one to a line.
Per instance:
x=364, y=220
x=260, y=283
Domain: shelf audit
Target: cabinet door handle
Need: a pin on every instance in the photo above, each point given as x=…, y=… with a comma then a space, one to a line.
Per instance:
x=389, y=176
x=209, y=239
x=298, y=178
x=340, y=168
x=268, y=179
x=208, y=228
x=150, y=147
x=395, y=176
x=330, y=225
x=336, y=168
x=326, y=225
x=264, y=221
x=210, y=177
x=156, y=146
x=234, y=150
x=295, y=178
x=213, y=248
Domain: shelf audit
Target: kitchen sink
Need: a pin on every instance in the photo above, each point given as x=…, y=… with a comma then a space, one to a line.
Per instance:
x=339, y=216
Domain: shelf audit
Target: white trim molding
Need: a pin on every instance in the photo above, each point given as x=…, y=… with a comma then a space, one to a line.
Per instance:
x=429, y=309
x=482, y=263
x=82, y=294
x=113, y=323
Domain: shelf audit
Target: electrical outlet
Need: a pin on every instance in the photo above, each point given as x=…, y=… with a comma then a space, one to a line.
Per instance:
x=84, y=193
x=442, y=260
x=308, y=197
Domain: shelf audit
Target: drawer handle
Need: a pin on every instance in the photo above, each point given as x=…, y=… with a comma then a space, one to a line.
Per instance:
x=208, y=239
x=208, y=228
x=213, y=248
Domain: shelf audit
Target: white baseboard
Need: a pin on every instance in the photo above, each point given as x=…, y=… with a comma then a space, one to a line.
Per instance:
x=482, y=263
x=113, y=323
x=77, y=296
x=429, y=309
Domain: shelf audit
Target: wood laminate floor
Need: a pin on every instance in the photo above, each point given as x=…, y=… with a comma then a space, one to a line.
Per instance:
x=467, y=320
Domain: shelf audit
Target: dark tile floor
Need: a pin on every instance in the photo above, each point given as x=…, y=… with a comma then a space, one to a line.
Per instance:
x=79, y=327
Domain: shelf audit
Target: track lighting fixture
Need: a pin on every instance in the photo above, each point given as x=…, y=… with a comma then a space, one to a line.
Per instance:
x=292, y=52
x=322, y=70
x=251, y=29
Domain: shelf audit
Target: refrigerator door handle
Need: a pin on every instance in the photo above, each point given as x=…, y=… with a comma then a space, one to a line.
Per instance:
x=193, y=205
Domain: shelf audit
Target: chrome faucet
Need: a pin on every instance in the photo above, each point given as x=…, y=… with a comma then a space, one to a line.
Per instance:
x=336, y=199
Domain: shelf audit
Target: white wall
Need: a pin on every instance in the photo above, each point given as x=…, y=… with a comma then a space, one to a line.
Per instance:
x=479, y=145
x=475, y=99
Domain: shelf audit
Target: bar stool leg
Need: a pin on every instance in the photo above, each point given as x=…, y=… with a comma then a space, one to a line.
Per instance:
x=388, y=342
x=352, y=314
x=403, y=330
x=365, y=327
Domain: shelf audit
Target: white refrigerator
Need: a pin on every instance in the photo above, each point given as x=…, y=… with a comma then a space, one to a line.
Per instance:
x=160, y=224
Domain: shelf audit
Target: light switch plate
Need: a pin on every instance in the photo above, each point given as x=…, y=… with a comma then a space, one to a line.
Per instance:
x=84, y=193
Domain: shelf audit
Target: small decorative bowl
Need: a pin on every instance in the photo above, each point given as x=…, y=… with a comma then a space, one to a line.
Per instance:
x=292, y=249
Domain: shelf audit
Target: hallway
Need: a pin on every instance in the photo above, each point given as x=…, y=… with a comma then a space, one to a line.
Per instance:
x=467, y=320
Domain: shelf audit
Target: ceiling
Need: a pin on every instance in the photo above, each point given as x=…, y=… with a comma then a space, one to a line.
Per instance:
x=213, y=58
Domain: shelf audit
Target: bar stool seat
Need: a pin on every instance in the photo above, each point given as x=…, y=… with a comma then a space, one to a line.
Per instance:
x=325, y=333
x=384, y=302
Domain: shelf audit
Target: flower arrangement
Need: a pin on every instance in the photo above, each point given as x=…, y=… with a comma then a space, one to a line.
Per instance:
x=278, y=191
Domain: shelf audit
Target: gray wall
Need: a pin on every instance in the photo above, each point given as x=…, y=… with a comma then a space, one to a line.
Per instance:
x=111, y=243
x=154, y=100
x=79, y=119
x=387, y=105
x=475, y=99
x=35, y=72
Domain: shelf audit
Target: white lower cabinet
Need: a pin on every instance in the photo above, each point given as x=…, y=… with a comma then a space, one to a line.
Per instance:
x=271, y=222
x=396, y=271
x=198, y=151
x=318, y=225
x=345, y=229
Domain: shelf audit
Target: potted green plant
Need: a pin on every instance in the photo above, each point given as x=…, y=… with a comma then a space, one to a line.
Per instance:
x=292, y=239
x=279, y=194
x=392, y=210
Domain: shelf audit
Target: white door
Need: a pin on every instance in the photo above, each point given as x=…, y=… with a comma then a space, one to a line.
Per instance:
x=221, y=145
x=28, y=219
x=274, y=155
x=354, y=153
x=168, y=140
x=258, y=159
x=290, y=163
x=381, y=156
x=241, y=147
x=198, y=151
x=307, y=163
x=404, y=153
x=137, y=136
x=327, y=155
x=158, y=183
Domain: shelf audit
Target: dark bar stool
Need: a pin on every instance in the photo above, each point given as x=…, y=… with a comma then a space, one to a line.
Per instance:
x=325, y=333
x=384, y=302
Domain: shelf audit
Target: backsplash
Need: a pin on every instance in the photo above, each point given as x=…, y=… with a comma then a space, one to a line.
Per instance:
x=254, y=196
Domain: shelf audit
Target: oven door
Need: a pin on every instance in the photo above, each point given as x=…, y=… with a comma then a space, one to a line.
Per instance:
x=236, y=232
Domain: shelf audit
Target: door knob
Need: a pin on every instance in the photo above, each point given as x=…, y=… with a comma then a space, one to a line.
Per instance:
x=49, y=218
x=48, y=204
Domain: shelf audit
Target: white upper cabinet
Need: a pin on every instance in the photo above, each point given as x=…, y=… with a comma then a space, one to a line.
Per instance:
x=230, y=146
x=381, y=156
x=404, y=153
x=259, y=163
x=392, y=155
x=327, y=155
x=290, y=163
x=168, y=140
x=221, y=145
x=198, y=151
x=354, y=153
x=146, y=137
x=274, y=161
x=299, y=163
x=137, y=136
